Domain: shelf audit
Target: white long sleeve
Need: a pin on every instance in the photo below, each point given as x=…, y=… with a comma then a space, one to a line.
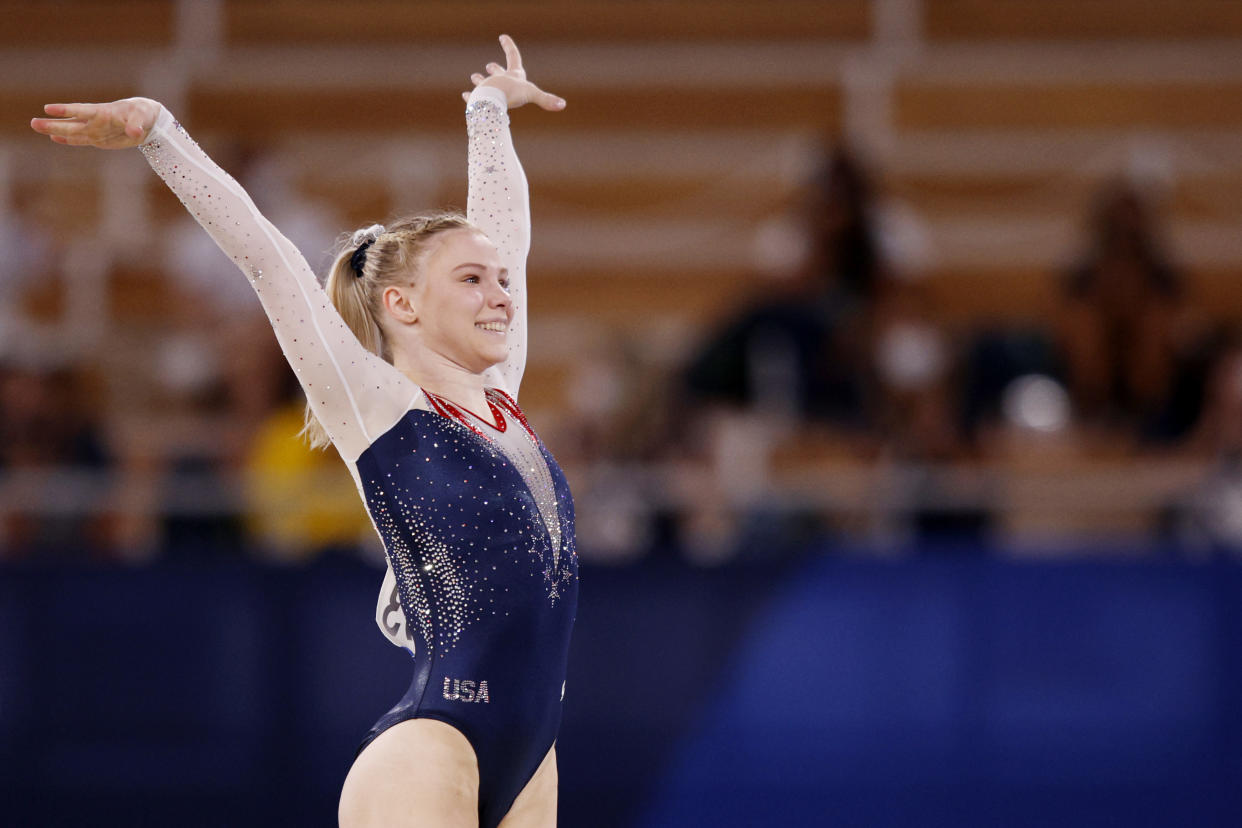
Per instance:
x=499, y=204
x=354, y=394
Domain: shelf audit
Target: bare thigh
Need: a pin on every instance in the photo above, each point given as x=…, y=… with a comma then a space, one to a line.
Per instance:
x=417, y=773
x=535, y=806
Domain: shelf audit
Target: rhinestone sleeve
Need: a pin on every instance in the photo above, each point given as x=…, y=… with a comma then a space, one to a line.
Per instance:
x=354, y=394
x=499, y=204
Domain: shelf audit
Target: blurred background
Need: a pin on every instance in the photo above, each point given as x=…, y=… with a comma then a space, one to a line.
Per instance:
x=893, y=349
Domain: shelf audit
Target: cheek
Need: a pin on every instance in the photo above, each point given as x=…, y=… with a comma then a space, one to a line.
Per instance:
x=455, y=307
x=439, y=300
x=470, y=301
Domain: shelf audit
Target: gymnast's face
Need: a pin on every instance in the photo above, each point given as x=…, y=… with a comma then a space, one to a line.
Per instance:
x=461, y=297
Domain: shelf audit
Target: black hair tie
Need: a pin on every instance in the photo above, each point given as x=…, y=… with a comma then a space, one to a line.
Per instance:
x=358, y=261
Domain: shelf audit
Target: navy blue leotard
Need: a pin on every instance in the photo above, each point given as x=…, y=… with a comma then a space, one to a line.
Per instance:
x=490, y=586
x=475, y=515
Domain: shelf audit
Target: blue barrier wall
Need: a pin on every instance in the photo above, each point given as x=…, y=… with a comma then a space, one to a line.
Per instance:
x=816, y=691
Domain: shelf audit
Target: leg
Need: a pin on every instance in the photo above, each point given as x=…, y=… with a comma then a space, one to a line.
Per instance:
x=416, y=773
x=535, y=806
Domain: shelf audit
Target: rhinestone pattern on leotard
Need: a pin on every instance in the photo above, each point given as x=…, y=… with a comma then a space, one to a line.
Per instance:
x=522, y=447
x=464, y=531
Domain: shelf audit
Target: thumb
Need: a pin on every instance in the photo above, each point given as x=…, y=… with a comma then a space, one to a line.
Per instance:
x=133, y=126
x=548, y=101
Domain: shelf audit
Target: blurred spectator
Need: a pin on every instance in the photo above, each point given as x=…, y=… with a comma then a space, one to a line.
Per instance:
x=300, y=503
x=797, y=356
x=851, y=342
x=1129, y=356
x=801, y=350
x=845, y=249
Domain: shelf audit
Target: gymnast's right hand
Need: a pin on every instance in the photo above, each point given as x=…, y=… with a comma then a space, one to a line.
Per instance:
x=117, y=125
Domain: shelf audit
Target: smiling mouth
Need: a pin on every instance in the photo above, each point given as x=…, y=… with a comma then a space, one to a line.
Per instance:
x=493, y=327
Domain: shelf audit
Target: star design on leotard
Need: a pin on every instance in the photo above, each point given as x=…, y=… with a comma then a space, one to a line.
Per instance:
x=555, y=578
x=556, y=573
x=547, y=579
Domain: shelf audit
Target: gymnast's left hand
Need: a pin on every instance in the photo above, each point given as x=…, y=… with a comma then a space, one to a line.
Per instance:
x=512, y=81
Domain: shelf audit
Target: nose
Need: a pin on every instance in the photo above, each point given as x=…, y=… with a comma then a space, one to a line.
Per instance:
x=497, y=296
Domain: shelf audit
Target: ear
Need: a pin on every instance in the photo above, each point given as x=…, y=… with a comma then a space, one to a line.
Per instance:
x=398, y=301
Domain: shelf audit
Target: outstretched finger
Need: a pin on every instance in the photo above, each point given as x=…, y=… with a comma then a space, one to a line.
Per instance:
x=548, y=101
x=495, y=69
x=513, y=58
x=73, y=110
x=476, y=78
x=54, y=126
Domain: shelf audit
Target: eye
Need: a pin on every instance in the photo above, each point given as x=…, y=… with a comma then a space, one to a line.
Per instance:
x=472, y=279
x=504, y=283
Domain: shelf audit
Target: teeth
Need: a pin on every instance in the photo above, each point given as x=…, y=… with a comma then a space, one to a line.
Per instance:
x=498, y=327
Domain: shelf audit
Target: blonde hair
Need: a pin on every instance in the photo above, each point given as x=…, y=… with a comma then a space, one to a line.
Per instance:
x=393, y=254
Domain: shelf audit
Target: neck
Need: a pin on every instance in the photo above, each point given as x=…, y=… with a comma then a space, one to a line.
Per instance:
x=442, y=377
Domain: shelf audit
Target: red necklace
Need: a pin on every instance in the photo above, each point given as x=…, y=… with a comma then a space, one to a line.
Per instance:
x=497, y=402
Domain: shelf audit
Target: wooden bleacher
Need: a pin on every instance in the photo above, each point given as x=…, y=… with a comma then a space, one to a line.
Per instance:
x=1022, y=149
x=1058, y=21
x=1062, y=105
x=57, y=24
x=323, y=22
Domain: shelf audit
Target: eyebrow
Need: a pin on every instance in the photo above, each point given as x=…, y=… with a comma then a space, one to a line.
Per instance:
x=504, y=271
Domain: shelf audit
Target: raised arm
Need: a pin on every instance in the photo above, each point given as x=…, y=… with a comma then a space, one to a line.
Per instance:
x=354, y=394
x=498, y=201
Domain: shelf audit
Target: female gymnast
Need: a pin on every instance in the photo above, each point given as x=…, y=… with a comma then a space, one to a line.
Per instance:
x=411, y=359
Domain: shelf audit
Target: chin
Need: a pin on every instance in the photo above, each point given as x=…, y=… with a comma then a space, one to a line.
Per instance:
x=493, y=359
x=484, y=360
x=493, y=353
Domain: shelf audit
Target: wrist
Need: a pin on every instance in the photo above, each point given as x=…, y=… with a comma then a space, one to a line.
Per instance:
x=162, y=122
x=493, y=93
